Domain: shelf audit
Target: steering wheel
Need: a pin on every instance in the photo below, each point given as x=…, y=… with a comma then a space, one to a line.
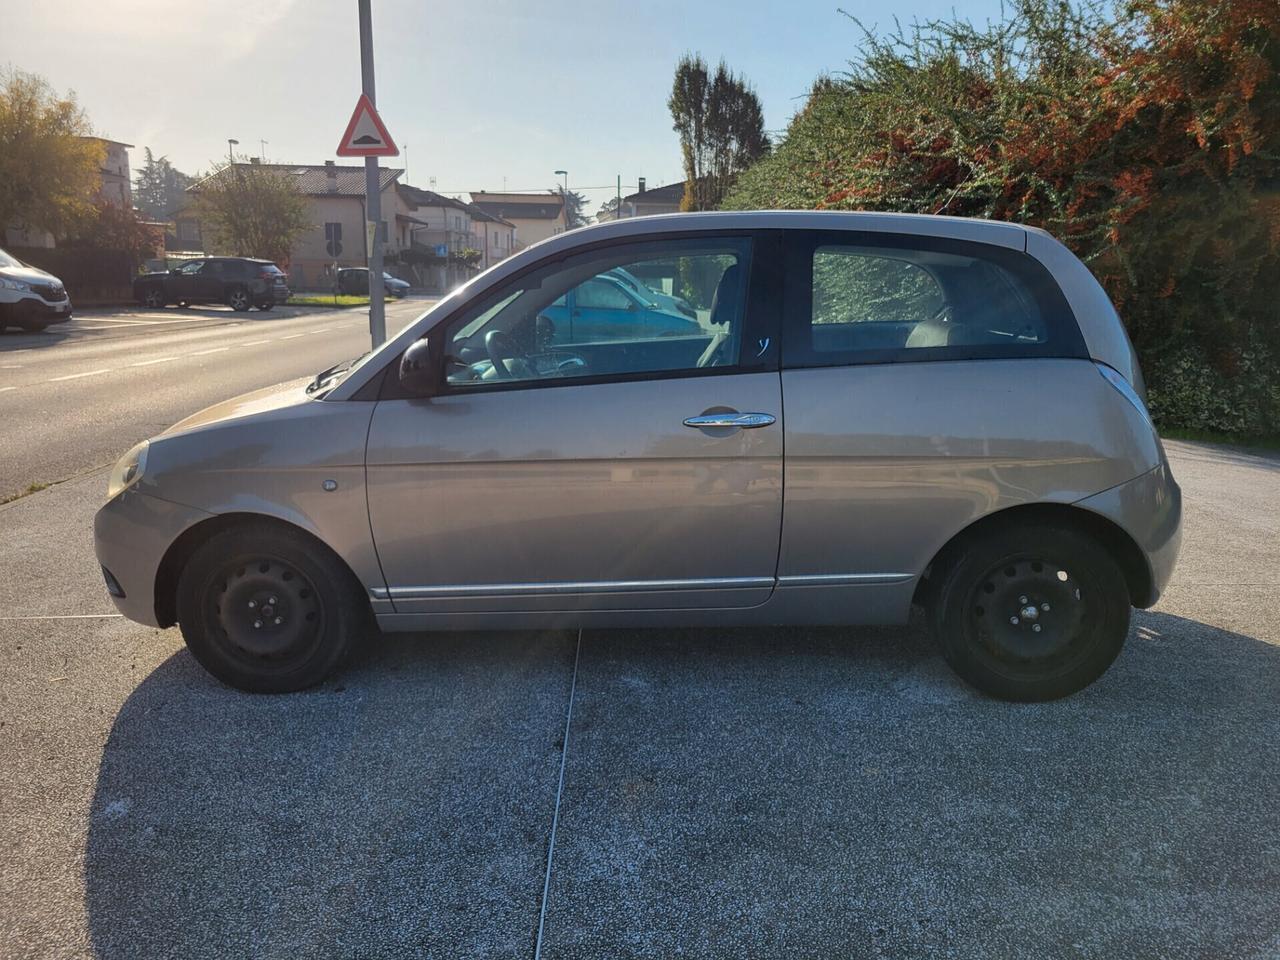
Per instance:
x=501, y=347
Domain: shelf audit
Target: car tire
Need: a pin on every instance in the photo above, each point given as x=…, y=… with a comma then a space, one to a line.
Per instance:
x=1029, y=613
x=267, y=609
x=34, y=326
x=266, y=305
x=238, y=299
x=184, y=304
x=153, y=297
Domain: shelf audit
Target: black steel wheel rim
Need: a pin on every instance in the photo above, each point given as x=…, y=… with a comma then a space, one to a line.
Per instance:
x=266, y=613
x=1030, y=613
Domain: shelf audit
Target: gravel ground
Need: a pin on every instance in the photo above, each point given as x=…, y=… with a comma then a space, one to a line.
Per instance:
x=783, y=793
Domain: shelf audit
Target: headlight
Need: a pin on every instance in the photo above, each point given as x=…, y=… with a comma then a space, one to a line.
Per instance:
x=128, y=470
x=6, y=284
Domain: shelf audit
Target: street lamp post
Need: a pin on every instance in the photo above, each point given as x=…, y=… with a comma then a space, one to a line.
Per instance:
x=231, y=157
x=564, y=196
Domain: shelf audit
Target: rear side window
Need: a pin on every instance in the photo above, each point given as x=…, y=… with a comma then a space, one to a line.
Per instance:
x=878, y=299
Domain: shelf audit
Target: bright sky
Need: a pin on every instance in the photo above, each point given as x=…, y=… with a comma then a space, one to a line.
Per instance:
x=485, y=94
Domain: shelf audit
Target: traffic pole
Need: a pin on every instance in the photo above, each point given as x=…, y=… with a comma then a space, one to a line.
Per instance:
x=372, y=190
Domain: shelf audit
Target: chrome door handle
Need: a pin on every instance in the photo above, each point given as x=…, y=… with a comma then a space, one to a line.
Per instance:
x=747, y=421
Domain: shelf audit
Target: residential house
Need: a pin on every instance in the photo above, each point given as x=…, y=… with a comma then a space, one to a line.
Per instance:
x=645, y=203
x=434, y=244
x=497, y=236
x=534, y=216
x=337, y=237
x=116, y=183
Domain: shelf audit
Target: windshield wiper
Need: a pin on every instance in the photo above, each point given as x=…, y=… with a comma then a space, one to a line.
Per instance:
x=324, y=376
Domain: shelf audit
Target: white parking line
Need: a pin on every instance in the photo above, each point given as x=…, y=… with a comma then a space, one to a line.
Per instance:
x=201, y=353
x=293, y=336
x=147, y=363
x=151, y=322
x=76, y=376
x=255, y=343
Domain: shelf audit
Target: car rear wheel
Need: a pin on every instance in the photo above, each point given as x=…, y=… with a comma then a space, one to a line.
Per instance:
x=266, y=609
x=266, y=305
x=1030, y=613
x=238, y=299
x=154, y=297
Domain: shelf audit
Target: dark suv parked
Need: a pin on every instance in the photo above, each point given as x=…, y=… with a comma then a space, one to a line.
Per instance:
x=239, y=282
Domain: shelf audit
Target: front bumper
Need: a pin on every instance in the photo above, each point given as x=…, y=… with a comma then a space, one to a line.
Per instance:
x=33, y=309
x=1149, y=508
x=132, y=533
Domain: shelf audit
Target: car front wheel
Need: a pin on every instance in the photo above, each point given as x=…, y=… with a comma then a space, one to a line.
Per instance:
x=1030, y=613
x=266, y=609
x=154, y=297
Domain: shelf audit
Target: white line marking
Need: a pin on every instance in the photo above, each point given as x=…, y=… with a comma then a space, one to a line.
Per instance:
x=293, y=336
x=3, y=389
x=147, y=363
x=151, y=323
x=255, y=343
x=201, y=353
x=555, y=819
x=10, y=366
x=76, y=376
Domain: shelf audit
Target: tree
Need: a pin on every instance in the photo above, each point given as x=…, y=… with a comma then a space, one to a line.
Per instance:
x=48, y=169
x=247, y=210
x=114, y=227
x=608, y=210
x=721, y=128
x=1144, y=135
x=159, y=188
x=574, y=203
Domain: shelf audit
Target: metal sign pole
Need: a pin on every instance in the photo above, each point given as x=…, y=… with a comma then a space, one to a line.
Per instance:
x=372, y=189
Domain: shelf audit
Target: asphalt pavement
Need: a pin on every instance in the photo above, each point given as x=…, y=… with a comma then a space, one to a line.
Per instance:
x=79, y=394
x=726, y=793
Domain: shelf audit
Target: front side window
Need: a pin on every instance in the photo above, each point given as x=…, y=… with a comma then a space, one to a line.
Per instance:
x=927, y=299
x=191, y=267
x=576, y=319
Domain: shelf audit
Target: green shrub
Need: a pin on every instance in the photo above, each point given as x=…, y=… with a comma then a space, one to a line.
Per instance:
x=1145, y=135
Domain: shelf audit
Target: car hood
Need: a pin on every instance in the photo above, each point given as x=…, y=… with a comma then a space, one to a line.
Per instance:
x=290, y=394
x=28, y=275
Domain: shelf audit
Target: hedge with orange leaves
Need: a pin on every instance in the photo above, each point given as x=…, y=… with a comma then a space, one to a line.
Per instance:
x=1146, y=136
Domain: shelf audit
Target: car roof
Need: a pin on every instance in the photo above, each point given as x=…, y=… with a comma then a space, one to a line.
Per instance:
x=999, y=232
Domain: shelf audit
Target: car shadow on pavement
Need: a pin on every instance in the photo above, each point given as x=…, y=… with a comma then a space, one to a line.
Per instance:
x=399, y=810
x=798, y=792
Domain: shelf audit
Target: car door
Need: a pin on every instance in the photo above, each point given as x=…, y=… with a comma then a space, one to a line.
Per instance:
x=555, y=473
x=181, y=285
x=211, y=281
x=928, y=382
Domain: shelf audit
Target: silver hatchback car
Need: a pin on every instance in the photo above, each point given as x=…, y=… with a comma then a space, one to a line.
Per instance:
x=875, y=411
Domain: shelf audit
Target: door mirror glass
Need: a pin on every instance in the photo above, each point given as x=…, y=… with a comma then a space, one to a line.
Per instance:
x=419, y=372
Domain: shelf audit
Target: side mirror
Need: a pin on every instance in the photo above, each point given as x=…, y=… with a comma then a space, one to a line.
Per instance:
x=420, y=369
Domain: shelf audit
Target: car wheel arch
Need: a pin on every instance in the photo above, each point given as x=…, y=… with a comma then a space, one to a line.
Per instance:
x=1113, y=538
x=186, y=543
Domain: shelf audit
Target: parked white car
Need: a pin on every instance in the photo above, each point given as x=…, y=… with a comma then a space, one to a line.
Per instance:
x=29, y=297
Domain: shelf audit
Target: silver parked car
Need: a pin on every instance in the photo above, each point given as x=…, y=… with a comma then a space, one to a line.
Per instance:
x=874, y=411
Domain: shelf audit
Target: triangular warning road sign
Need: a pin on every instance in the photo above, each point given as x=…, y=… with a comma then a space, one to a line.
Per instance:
x=366, y=134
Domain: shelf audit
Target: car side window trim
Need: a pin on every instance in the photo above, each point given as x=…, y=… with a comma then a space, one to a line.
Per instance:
x=1064, y=341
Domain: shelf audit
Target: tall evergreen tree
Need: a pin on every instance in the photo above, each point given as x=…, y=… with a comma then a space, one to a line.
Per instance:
x=159, y=188
x=721, y=128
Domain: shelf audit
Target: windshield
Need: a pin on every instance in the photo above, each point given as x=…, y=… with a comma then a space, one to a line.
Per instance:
x=6, y=260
